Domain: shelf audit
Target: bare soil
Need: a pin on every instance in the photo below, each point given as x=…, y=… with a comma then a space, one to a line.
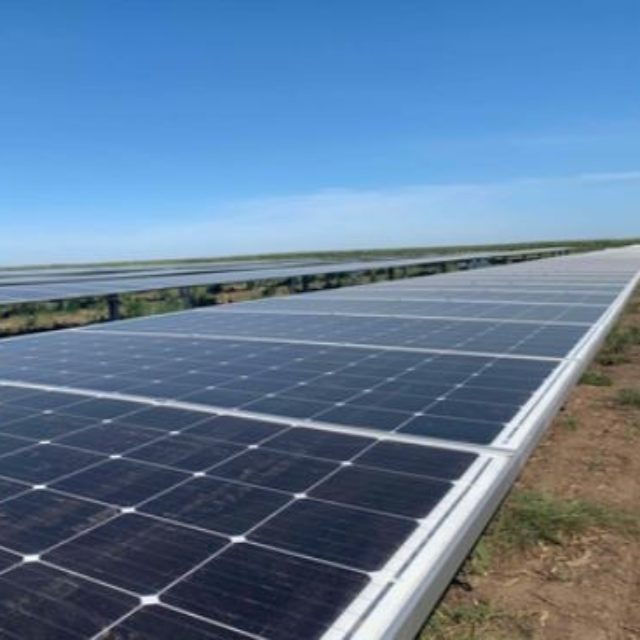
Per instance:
x=588, y=587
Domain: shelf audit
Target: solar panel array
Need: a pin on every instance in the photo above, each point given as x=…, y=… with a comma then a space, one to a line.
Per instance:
x=29, y=287
x=56, y=274
x=307, y=467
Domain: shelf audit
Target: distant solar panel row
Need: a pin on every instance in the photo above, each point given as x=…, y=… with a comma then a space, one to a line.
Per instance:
x=12, y=292
x=79, y=274
x=295, y=468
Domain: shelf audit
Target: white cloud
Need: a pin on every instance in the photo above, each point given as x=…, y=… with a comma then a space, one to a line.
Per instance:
x=584, y=205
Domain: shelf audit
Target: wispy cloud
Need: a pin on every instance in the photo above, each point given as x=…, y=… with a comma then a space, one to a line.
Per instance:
x=604, y=178
x=578, y=137
x=581, y=205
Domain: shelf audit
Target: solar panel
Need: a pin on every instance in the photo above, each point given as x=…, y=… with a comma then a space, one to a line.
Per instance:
x=282, y=469
x=27, y=288
x=182, y=503
x=80, y=273
x=532, y=338
x=394, y=390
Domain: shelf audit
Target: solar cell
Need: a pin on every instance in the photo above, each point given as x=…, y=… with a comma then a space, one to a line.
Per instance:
x=269, y=593
x=37, y=601
x=217, y=505
x=161, y=623
x=124, y=483
x=333, y=446
x=336, y=533
x=43, y=426
x=108, y=438
x=382, y=491
x=44, y=462
x=275, y=470
x=136, y=553
x=189, y=453
x=34, y=521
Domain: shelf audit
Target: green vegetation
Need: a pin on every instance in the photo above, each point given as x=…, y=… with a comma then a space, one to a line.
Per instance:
x=570, y=423
x=629, y=398
x=529, y=518
x=617, y=345
x=471, y=622
x=596, y=379
x=633, y=429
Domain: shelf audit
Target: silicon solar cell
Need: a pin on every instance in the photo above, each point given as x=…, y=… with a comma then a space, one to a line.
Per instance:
x=37, y=601
x=160, y=623
x=124, y=483
x=43, y=463
x=184, y=452
x=9, y=488
x=39, y=519
x=168, y=477
x=136, y=553
x=9, y=444
x=336, y=533
x=269, y=593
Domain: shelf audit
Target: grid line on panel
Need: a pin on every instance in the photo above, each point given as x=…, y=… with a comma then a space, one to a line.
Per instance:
x=80, y=574
x=428, y=295
x=309, y=379
x=210, y=471
x=359, y=305
x=368, y=356
x=471, y=300
x=206, y=561
x=362, y=452
x=213, y=410
x=216, y=626
x=409, y=560
x=487, y=288
x=371, y=330
x=405, y=316
x=350, y=345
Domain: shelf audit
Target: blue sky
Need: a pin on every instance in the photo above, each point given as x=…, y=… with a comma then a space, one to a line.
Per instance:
x=143, y=128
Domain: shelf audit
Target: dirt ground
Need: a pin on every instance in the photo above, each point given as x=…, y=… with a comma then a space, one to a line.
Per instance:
x=584, y=586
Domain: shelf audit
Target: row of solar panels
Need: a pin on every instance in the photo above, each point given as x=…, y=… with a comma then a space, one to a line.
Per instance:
x=12, y=291
x=308, y=467
x=55, y=274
